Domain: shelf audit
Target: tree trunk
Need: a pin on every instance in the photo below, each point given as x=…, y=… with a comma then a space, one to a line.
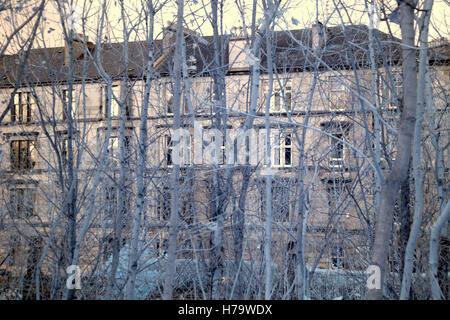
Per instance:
x=141, y=187
x=434, y=257
x=418, y=175
x=399, y=172
x=174, y=205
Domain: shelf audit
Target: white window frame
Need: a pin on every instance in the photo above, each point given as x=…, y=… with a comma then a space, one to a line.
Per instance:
x=337, y=162
x=336, y=92
x=65, y=97
x=23, y=102
x=277, y=104
x=185, y=150
x=278, y=148
x=115, y=106
x=221, y=157
x=167, y=150
x=397, y=82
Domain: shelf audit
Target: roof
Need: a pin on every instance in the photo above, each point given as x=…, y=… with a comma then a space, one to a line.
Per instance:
x=292, y=52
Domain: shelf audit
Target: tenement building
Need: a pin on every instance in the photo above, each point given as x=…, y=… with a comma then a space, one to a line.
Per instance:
x=70, y=148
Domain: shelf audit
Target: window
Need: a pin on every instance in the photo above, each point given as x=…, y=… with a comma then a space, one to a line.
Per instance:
x=281, y=149
x=23, y=106
x=161, y=245
x=114, y=148
x=22, y=154
x=186, y=251
x=22, y=201
x=65, y=150
x=66, y=103
x=191, y=61
x=218, y=158
x=168, y=99
x=115, y=106
x=336, y=85
x=116, y=99
x=63, y=140
x=163, y=204
x=397, y=82
x=185, y=144
x=167, y=150
x=338, y=131
x=186, y=212
x=282, y=206
x=278, y=102
x=397, y=78
x=336, y=159
x=110, y=205
x=336, y=189
x=337, y=257
x=184, y=148
x=337, y=92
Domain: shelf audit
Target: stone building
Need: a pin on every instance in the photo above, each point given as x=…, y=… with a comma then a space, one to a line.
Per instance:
x=321, y=81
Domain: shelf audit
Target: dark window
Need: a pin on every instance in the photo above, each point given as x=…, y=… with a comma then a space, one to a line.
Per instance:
x=65, y=150
x=168, y=149
x=337, y=150
x=337, y=257
x=22, y=154
x=111, y=204
x=281, y=149
x=22, y=202
x=186, y=212
x=337, y=193
x=66, y=103
x=287, y=150
x=22, y=108
x=281, y=200
x=163, y=204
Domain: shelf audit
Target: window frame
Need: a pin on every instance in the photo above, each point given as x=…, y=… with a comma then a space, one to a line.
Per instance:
x=65, y=102
x=19, y=106
x=277, y=103
x=21, y=205
x=279, y=147
x=17, y=158
x=336, y=94
x=116, y=90
x=337, y=162
x=278, y=183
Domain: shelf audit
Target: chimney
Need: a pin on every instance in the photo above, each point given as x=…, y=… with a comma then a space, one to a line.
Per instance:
x=78, y=44
x=318, y=36
x=169, y=35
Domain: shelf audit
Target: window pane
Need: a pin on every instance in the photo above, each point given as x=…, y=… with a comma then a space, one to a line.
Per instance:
x=15, y=162
x=22, y=202
x=287, y=156
x=277, y=101
x=288, y=98
x=168, y=147
x=115, y=107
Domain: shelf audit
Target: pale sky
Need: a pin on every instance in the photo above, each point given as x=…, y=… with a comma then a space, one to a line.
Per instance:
x=295, y=14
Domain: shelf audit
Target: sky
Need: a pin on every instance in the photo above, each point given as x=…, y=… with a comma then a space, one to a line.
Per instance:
x=295, y=14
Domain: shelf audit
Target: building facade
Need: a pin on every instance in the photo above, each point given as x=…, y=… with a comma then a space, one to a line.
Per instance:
x=327, y=100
